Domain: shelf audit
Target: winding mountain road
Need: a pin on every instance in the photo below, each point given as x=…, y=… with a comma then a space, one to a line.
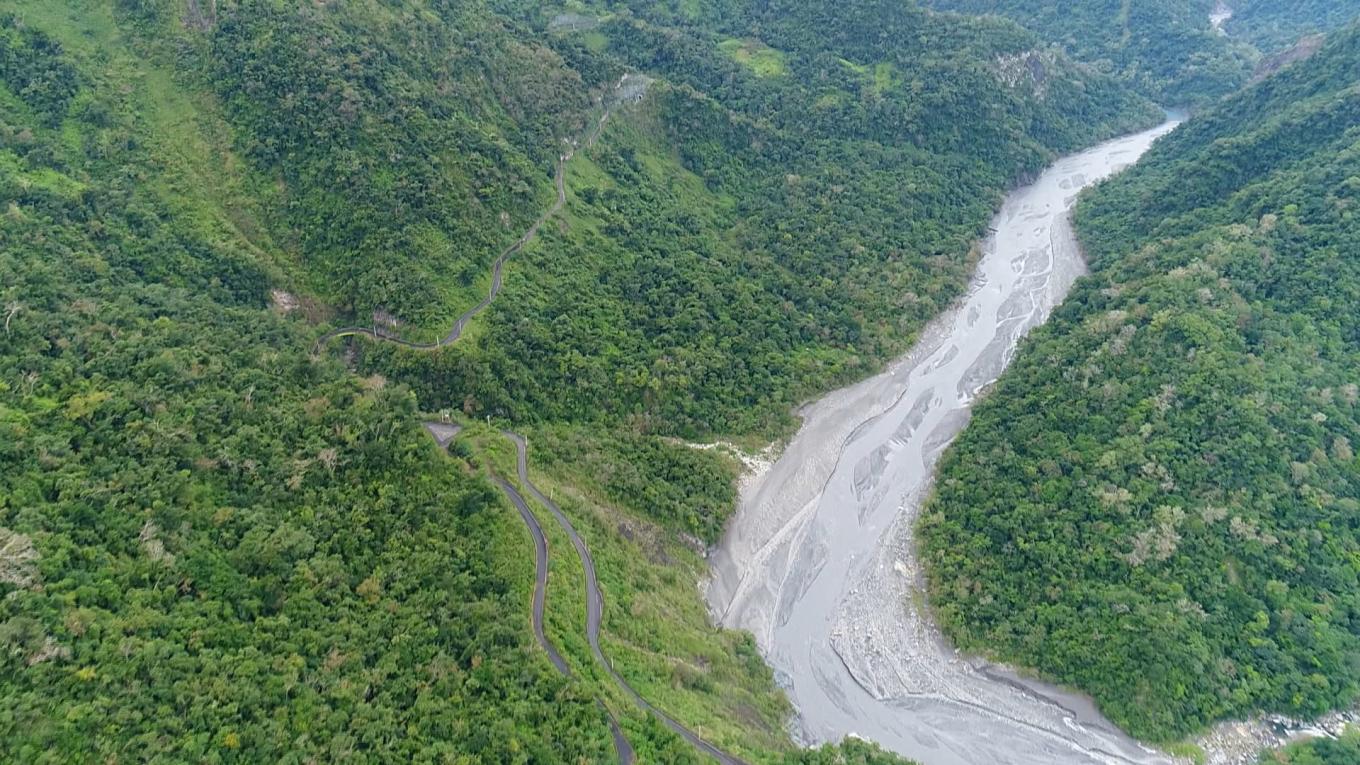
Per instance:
x=624, y=92
x=595, y=602
x=625, y=750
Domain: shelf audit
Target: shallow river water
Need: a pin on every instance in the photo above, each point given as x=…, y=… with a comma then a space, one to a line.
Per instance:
x=819, y=561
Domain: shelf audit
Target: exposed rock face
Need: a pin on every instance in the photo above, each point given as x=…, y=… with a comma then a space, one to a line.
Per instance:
x=1303, y=49
x=1241, y=743
x=1028, y=69
x=283, y=301
x=573, y=22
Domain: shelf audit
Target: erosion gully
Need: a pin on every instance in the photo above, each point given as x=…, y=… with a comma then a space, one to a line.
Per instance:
x=819, y=562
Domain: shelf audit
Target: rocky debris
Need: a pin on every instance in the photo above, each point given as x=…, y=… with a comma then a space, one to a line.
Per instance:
x=754, y=465
x=1303, y=49
x=630, y=89
x=1029, y=69
x=1241, y=743
x=284, y=302
x=18, y=560
x=1220, y=16
x=572, y=22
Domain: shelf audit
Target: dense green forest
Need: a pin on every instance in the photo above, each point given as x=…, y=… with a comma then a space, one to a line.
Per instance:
x=1321, y=751
x=218, y=546
x=410, y=143
x=1158, y=502
x=1274, y=26
x=747, y=236
x=1167, y=49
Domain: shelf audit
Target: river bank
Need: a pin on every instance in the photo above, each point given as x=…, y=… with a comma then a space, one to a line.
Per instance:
x=819, y=563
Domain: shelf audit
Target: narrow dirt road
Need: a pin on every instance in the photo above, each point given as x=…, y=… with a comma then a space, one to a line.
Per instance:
x=497, y=266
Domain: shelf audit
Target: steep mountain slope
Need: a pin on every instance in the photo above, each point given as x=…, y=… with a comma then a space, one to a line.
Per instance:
x=1157, y=503
x=211, y=546
x=747, y=236
x=214, y=546
x=1164, y=48
x=1273, y=26
x=217, y=545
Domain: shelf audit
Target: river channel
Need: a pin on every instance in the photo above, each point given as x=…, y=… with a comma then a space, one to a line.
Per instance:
x=819, y=562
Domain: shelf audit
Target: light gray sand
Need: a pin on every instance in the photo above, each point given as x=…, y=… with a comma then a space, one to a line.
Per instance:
x=819, y=561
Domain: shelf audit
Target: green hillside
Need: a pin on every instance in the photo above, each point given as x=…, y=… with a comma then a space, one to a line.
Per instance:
x=741, y=240
x=215, y=548
x=1274, y=26
x=216, y=545
x=1157, y=503
x=1164, y=48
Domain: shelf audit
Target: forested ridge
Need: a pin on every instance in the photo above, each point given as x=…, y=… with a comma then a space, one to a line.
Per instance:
x=1273, y=26
x=1167, y=49
x=217, y=546
x=1157, y=503
x=752, y=235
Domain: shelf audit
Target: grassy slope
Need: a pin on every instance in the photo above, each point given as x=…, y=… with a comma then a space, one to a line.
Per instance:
x=196, y=172
x=655, y=630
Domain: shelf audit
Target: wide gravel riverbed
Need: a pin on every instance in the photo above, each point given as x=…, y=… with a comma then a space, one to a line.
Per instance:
x=819, y=562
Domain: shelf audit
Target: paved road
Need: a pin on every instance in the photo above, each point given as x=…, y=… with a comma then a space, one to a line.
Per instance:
x=595, y=604
x=444, y=434
x=621, y=745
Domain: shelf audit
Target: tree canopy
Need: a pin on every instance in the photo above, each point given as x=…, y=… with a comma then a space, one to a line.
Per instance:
x=1157, y=503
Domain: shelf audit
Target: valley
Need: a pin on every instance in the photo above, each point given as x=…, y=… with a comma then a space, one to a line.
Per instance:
x=485, y=381
x=820, y=560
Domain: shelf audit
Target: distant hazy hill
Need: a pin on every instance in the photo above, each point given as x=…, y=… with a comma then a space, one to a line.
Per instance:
x=1164, y=48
